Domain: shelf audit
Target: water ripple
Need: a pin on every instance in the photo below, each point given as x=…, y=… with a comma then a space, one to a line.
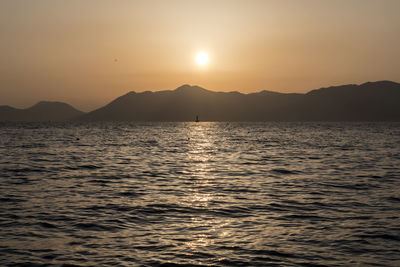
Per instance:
x=200, y=194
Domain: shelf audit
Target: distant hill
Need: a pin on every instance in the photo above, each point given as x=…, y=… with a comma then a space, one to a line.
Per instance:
x=372, y=101
x=42, y=111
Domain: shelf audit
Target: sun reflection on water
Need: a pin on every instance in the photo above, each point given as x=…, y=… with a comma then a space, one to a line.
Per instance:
x=202, y=226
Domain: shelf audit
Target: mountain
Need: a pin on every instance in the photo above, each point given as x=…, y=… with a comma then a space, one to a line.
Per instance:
x=42, y=111
x=372, y=101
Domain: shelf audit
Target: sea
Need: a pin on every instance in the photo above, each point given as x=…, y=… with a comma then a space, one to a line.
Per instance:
x=200, y=194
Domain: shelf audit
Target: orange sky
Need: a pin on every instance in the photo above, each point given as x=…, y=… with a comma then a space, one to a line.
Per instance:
x=89, y=52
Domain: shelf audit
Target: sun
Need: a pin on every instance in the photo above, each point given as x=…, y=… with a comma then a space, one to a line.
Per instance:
x=202, y=58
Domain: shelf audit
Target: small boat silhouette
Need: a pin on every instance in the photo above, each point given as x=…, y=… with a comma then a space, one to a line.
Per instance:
x=197, y=118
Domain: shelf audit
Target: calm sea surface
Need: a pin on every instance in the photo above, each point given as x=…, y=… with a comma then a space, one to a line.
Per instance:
x=220, y=194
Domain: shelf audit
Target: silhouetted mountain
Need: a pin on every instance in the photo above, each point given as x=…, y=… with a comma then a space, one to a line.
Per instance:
x=372, y=101
x=42, y=111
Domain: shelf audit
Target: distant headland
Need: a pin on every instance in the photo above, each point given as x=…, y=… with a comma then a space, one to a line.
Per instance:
x=371, y=101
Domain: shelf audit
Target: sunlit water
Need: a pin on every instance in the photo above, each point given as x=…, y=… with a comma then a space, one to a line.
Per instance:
x=223, y=194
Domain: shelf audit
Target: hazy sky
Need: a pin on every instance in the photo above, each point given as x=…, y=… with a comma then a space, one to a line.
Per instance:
x=87, y=53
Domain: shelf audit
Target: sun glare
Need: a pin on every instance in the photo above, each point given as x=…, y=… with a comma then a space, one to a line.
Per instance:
x=202, y=58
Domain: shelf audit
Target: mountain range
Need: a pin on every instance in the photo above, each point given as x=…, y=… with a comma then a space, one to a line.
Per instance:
x=371, y=101
x=42, y=111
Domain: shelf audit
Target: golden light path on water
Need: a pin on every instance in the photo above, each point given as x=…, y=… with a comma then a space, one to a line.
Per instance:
x=199, y=155
x=205, y=230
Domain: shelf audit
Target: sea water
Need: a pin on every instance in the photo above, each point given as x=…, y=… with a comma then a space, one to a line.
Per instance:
x=217, y=193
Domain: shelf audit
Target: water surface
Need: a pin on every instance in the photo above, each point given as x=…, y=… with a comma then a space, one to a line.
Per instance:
x=219, y=194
